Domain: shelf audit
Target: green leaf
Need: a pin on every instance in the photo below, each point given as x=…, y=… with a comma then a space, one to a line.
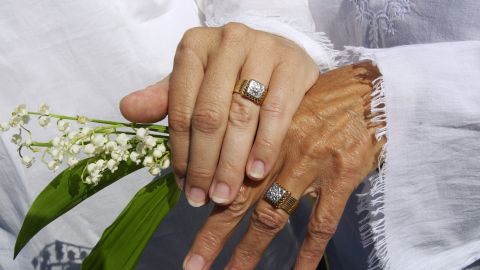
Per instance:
x=123, y=242
x=62, y=194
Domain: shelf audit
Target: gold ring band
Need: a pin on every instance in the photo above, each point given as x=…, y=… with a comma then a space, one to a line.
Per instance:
x=252, y=90
x=280, y=198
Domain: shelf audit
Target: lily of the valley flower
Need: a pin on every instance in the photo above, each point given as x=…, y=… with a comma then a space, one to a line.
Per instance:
x=44, y=109
x=43, y=121
x=28, y=161
x=107, y=145
x=4, y=126
x=89, y=149
x=17, y=139
x=63, y=125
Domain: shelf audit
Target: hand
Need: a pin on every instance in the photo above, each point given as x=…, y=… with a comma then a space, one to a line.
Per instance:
x=329, y=148
x=212, y=130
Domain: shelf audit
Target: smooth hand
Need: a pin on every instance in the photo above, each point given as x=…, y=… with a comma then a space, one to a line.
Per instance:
x=217, y=136
x=329, y=148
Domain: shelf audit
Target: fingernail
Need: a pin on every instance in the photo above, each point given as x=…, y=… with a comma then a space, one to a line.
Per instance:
x=221, y=192
x=196, y=197
x=257, y=170
x=195, y=262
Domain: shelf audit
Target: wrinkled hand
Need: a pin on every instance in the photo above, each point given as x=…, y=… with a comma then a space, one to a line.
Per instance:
x=329, y=149
x=212, y=130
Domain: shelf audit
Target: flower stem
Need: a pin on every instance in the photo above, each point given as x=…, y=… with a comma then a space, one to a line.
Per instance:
x=42, y=144
x=158, y=128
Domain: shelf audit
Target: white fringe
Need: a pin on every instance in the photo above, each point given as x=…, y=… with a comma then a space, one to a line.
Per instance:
x=336, y=56
x=371, y=203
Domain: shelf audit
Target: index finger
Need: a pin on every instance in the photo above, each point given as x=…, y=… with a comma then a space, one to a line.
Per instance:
x=185, y=81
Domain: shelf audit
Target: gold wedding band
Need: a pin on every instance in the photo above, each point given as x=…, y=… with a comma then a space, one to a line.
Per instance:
x=280, y=198
x=252, y=90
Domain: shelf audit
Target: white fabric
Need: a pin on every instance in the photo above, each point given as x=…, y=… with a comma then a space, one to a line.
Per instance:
x=290, y=19
x=388, y=23
x=431, y=181
x=81, y=57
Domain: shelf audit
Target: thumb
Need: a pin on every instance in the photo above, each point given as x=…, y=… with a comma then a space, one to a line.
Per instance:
x=148, y=105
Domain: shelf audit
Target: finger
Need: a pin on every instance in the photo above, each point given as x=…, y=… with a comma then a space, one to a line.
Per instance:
x=216, y=231
x=148, y=105
x=209, y=119
x=267, y=221
x=286, y=91
x=240, y=133
x=322, y=226
x=185, y=81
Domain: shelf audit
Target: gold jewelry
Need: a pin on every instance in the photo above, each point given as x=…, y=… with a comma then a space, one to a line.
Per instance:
x=280, y=198
x=252, y=90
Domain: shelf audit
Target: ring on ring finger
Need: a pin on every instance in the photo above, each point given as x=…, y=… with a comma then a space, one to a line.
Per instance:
x=252, y=90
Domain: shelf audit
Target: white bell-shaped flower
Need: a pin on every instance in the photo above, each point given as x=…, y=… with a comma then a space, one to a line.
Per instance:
x=5, y=126
x=53, y=165
x=154, y=171
x=21, y=110
x=16, y=139
x=15, y=121
x=150, y=142
x=28, y=141
x=99, y=140
x=135, y=157
x=112, y=165
x=89, y=149
x=44, y=109
x=43, y=120
x=63, y=125
x=75, y=149
x=122, y=139
x=148, y=161
x=28, y=161
x=111, y=146
x=166, y=163
x=72, y=161
x=142, y=133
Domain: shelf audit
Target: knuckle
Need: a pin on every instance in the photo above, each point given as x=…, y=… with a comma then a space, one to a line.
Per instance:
x=240, y=204
x=312, y=254
x=235, y=32
x=198, y=174
x=245, y=255
x=273, y=109
x=210, y=241
x=265, y=145
x=289, y=49
x=314, y=150
x=241, y=114
x=190, y=38
x=322, y=229
x=267, y=41
x=267, y=221
x=179, y=120
x=229, y=167
x=207, y=120
x=182, y=54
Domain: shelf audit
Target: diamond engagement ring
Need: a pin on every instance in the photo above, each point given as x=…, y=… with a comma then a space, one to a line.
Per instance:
x=280, y=198
x=253, y=90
